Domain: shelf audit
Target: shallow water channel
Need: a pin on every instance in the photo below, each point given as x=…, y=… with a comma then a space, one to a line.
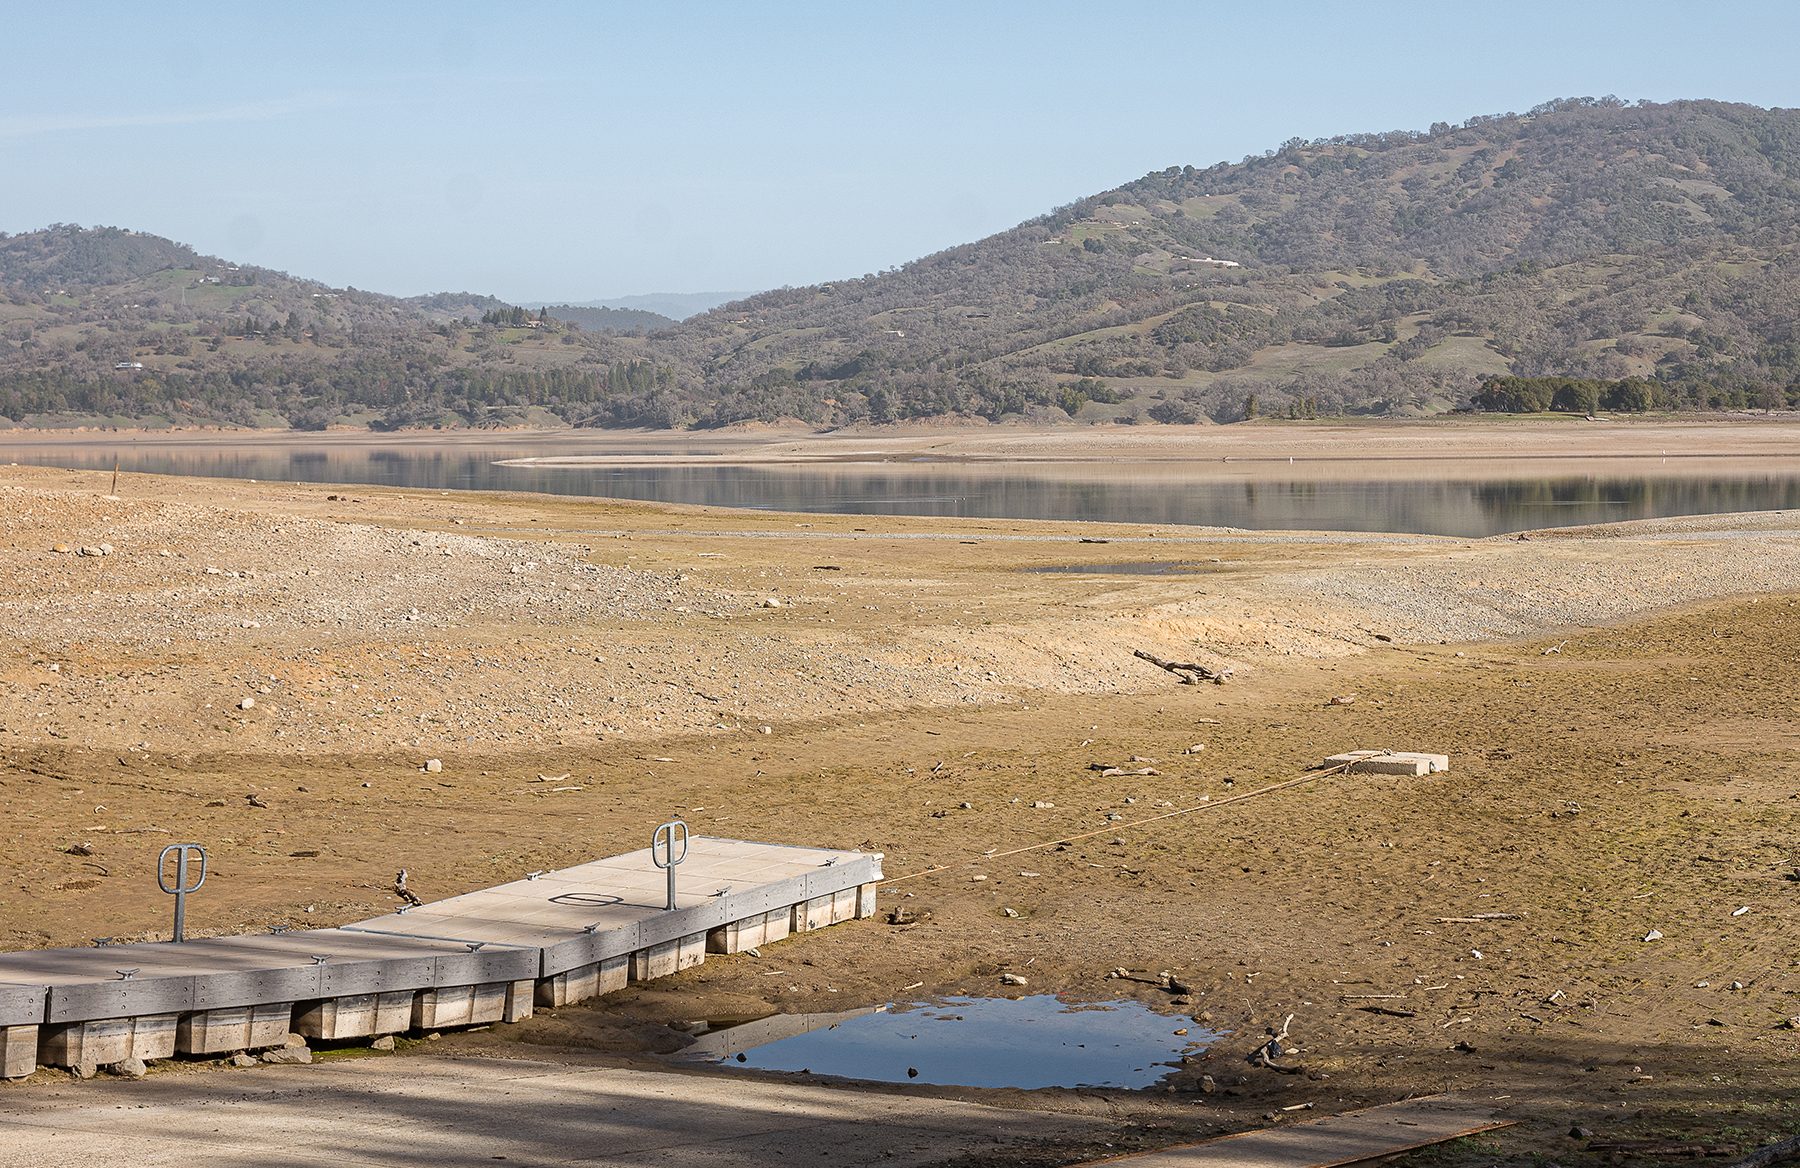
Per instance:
x=1028, y=1042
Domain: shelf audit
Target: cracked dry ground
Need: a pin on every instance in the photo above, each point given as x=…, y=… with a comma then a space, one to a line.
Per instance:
x=1641, y=778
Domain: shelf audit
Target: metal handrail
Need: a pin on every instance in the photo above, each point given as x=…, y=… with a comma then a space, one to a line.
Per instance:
x=182, y=888
x=665, y=838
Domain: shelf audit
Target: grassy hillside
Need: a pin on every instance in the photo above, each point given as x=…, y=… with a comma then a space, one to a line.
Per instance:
x=1375, y=273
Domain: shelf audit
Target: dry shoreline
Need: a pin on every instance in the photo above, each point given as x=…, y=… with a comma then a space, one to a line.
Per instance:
x=912, y=667
x=1360, y=448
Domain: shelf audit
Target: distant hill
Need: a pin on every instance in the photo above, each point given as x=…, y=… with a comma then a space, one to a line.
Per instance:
x=1585, y=251
x=620, y=320
x=1370, y=273
x=456, y=305
x=676, y=305
x=61, y=254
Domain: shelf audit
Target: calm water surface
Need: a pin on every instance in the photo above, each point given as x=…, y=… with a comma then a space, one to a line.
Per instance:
x=1464, y=502
x=1028, y=1042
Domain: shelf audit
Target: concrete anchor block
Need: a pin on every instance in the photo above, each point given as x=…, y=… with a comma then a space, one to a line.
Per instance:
x=470, y=1005
x=1398, y=762
x=843, y=905
x=18, y=1051
x=668, y=957
x=583, y=982
x=101, y=1041
x=354, y=1016
x=749, y=933
x=234, y=1028
x=865, y=901
x=814, y=914
x=519, y=995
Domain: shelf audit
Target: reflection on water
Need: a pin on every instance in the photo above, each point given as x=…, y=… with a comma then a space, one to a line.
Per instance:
x=1029, y=1042
x=1467, y=505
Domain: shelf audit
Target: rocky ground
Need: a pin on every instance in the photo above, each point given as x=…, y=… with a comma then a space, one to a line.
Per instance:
x=1617, y=704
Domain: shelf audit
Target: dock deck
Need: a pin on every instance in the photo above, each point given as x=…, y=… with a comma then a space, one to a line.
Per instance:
x=485, y=956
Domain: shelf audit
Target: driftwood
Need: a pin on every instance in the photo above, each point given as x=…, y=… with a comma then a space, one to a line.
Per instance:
x=1182, y=669
x=1389, y=1011
x=401, y=890
x=1266, y=1054
x=1660, y=1148
x=1762, y=1157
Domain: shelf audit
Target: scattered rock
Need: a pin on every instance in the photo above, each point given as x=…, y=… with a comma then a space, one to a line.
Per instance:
x=1041, y=805
x=1653, y=935
x=435, y=765
x=1196, y=748
x=966, y=806
x=85, y=1070
x=1343, y=700
x=1007, y=912
x=289, y=1055
x=255, y=800
x=1012, y=979
x=80, y=849
x=60, y=547
x=1208, y=1084
x=771, y=602
x=294, y=1040
x=240, y=1059
x=385, y=1042
x=1580, y=1133
x=767, y=730
x=131, y=1068
x=247, y=704
x=249, y=624
x=433, y=1036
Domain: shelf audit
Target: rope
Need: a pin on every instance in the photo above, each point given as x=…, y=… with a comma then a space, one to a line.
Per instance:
x=1342, y=769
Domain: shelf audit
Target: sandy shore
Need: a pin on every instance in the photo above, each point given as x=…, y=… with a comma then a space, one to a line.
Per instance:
x=921, y=692
x=1355, y=449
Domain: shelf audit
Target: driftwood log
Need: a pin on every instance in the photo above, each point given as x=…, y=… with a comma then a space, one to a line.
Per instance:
x=1190, y=672
x=1772, y=1154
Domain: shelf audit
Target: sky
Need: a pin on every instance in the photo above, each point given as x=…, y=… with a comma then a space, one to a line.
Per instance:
x=577, y=151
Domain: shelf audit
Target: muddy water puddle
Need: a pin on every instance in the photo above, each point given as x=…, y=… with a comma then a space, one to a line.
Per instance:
x=1027, y=1042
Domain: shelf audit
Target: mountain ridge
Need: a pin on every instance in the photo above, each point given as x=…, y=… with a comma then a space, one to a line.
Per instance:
x=1368, y=273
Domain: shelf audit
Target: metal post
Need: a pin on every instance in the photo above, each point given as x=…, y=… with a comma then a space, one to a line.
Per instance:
x=665, y=838
x=182, y=887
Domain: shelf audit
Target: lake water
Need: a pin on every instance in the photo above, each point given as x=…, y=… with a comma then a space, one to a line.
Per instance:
x=1453, y=498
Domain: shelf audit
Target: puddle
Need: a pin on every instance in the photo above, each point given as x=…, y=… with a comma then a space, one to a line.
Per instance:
x=1037, y=1041
x=1135, y=568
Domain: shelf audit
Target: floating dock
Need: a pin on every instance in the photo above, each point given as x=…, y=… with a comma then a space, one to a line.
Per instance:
x=488, y=956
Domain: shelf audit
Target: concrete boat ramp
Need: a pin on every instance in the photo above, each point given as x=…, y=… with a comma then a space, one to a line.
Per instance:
x=488, y=956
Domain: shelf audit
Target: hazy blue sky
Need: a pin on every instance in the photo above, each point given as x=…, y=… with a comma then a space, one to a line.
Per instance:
x=584, y=150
